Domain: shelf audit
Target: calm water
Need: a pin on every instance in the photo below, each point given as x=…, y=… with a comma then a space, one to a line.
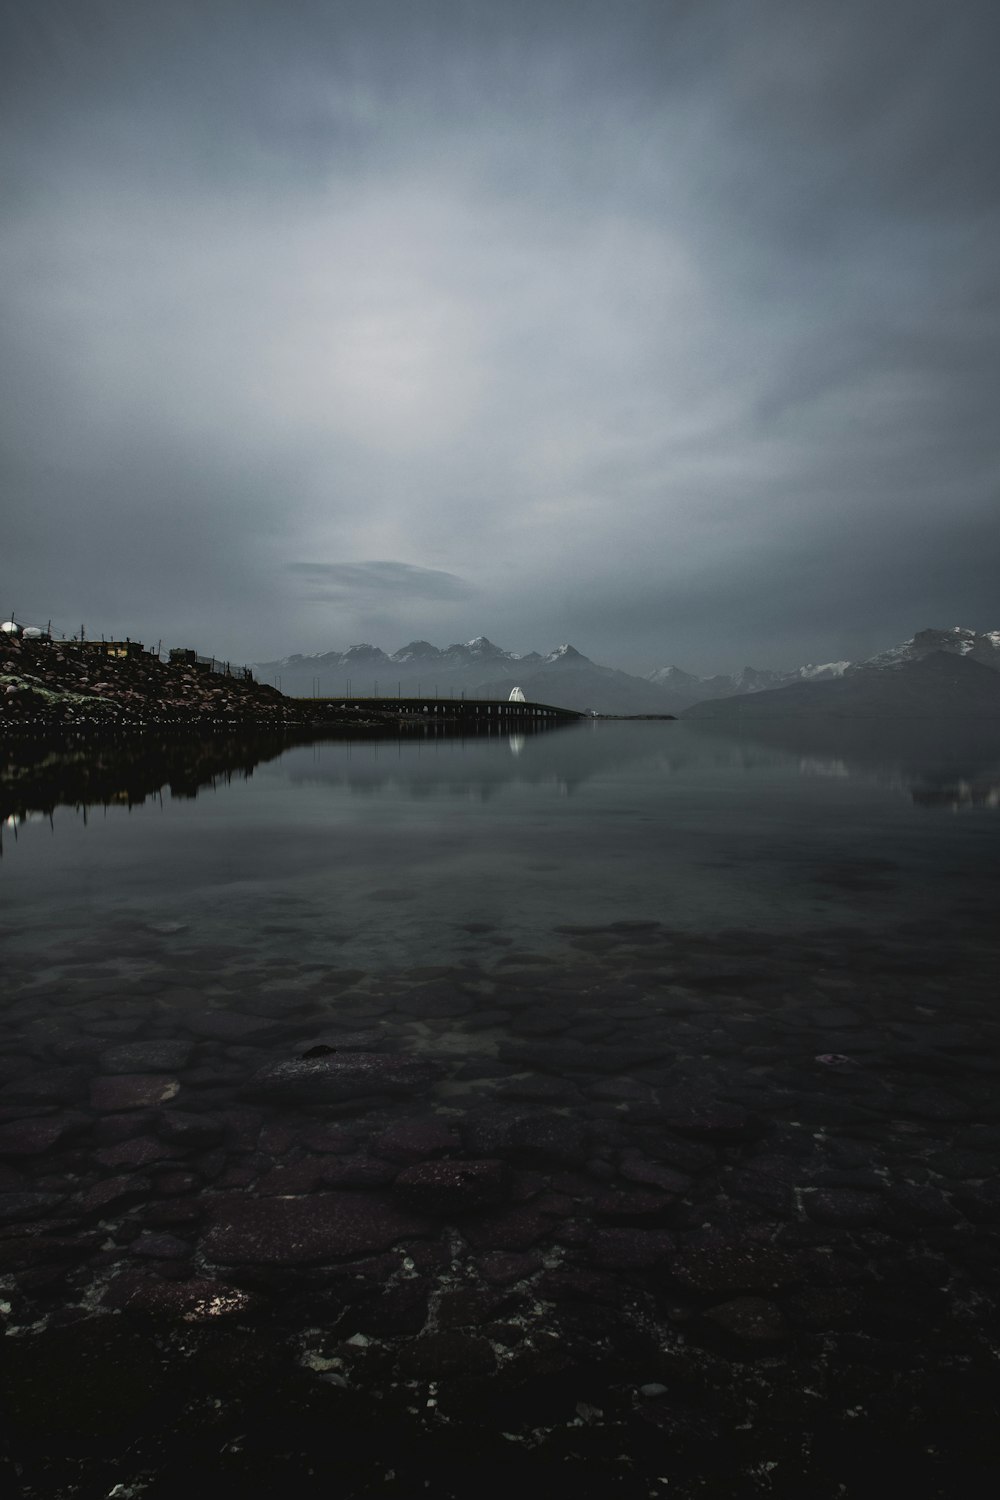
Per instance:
x=706, y=1025
x=391, y=853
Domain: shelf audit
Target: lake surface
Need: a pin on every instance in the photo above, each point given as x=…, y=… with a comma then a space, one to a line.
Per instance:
x=622, y=1096
x=384, y=853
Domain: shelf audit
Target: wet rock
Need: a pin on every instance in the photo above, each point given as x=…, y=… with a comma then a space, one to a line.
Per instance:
x=90, y=1380
x=821, y=1308
x=334, y=1080
x=17, y=1206
x=126, y=1091
x=749, y=1320
x=115, y=1193
x=454, y=1187
x=291, y=1178
x=110, y=1129
x=230, y=1026
x=529, y=1135
x=564, y=1057
x=179, y=1128
x=438, y=1001
x=450, y=1352
x=321, y=1044
x=470, y=1306
x=54, y=1086
x=635, y=1167
x=393, y=1311
x=142, y=1151
x=34, y=1137
x=539, y=1089
x=629, y=1249
x=635, y=1206
x=962, y=1164
x=146, y=1057
x=715, y=1264
x=410, y=1141
x=500, y=1267
x=935, y=1105
x=686, y=1155
x=304, y=1231
x=356, y=1171
x=921, y=1204
x=979, y=1202
x=193, y=1301
x=847, y=1208
x=175, y=1184
x=509, y=1229
x=486, y=1020
x=709, y=1119
x=328, y=1138
x=624, y=1090
x=160, y=1247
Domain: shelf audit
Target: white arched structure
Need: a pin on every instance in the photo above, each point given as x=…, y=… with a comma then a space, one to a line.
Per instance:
x=516, y=696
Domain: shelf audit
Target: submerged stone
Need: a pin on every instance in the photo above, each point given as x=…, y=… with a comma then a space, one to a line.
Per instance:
x=338, y=1078
x=146, y=1057
x=454, y=1187
x=750, y=1320
x=34, y=1137
x=303, y=1231
x=132, y=1091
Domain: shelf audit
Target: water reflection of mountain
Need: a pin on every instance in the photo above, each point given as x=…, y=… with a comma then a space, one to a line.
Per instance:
x=949, y=763
x=480, y=766
x=940, y=764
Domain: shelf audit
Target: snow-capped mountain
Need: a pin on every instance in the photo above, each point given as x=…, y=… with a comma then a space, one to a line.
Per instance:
x=568, y=679
x=935, y=673
x=748, y=680
x=563, y=677
x=981, y=646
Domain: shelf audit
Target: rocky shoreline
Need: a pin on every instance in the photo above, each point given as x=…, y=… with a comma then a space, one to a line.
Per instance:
x=76, y=688
x=682, y=1214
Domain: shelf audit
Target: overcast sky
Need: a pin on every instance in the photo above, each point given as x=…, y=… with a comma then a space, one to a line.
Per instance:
x=665, y=327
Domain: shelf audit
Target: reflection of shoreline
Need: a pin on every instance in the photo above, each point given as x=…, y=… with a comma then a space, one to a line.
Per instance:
x=36, y=777
x=961, y=794
x=940, y=762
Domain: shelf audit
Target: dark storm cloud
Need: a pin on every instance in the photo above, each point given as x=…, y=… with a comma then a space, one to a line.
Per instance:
x=671, y=328
x=368, y=583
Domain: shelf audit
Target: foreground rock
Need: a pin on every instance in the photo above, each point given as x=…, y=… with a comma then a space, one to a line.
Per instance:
x=304, y=1231
x=337, y=1079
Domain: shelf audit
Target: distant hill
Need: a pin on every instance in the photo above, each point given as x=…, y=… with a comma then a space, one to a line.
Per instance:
x=564, y=677
x=683, y=685
x=931, y=684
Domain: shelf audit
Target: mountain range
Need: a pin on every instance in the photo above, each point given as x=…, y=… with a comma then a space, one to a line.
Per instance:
x=567, y=679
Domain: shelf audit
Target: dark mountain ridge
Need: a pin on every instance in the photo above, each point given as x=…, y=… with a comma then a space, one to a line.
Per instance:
x=932, y=684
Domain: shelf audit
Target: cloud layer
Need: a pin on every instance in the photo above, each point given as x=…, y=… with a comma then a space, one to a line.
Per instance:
x=671, y=329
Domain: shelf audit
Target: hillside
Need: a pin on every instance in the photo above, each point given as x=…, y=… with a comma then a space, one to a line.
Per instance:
x=936, y=684
x=77, y=685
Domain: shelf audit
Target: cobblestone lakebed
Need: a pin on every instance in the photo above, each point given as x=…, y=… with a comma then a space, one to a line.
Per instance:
x=647, y=1211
